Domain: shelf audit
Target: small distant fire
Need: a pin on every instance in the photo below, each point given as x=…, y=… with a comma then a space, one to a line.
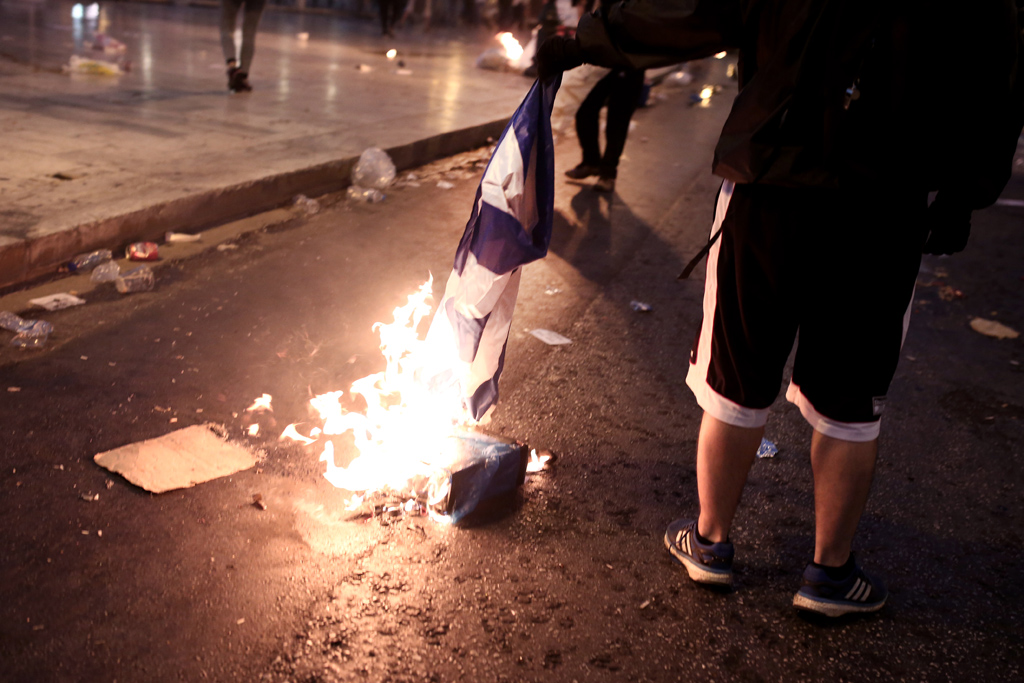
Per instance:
x=513, y=50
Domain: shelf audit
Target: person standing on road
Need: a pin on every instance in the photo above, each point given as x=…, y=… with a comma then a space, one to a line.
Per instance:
x=239, y=58
x=390, y=11
x=837, y=136
x=620, y=90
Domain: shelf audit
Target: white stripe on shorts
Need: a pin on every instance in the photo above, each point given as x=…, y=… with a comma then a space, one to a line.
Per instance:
x=846, y=431
x=711, y=401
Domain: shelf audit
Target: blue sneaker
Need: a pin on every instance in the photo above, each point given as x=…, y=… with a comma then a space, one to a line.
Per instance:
x=705, y=563
x=857, y=593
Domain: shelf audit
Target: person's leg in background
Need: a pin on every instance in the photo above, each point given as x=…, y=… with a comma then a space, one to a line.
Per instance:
x=228, y=18
x=250, y=23
x=588, y=128
x=623, y=100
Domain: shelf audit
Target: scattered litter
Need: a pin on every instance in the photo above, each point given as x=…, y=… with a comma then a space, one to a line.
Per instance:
x=551, y=291
x=645, y=604
x=364, y=194
x=92, y=67
x=364, y=68
x=108, y=45
x=240, y=621
x=391, y=54
x=991, y=328
x=136, y=280
x=374, y=169
x=767, y=449
x=181, y=237
x=89, y=260
x=56, y=302
x=15, y=323
x=180, y=459
x=1010, y=202
x=109, y=484
x=257, y=501
x=99, y=532
x=106, y=272
x=90, y=497
x=303, y=37
x=640, y=306
x=34, y=336
x=549, y=337
x=403, y=72
x=445, y=185
x=947, y=293
x=227, y=246
x=306, y=205
x=142, y=251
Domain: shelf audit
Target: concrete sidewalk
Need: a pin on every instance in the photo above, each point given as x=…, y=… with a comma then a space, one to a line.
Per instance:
x=98, y=161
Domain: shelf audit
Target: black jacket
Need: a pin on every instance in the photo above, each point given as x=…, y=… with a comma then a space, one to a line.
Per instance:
x=922, y=94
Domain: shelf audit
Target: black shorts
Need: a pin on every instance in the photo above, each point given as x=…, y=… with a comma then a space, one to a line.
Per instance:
x=836, y=267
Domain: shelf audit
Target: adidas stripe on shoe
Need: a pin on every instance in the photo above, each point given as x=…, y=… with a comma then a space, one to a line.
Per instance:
x=857, y=593
x=709, y=563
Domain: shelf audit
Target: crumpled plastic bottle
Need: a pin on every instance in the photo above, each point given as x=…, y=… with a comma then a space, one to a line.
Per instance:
x=34, y=336
x=365, y=194
x=306, y=205
x=136, y=280
x=106, y=272
x=89, y=260
x=374, y=169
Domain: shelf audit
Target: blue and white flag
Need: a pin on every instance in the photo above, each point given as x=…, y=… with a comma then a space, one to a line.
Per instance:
x=510, y=227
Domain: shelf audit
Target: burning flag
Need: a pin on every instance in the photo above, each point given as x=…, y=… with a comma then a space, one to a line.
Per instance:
x=510, y=226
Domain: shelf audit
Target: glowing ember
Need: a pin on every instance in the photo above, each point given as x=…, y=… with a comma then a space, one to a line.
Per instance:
x=254, y=429
x=392, y=53
x=513, y=50
x=262, y=403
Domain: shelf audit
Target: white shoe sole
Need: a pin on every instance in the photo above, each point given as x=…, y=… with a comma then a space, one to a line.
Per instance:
x=699, y=572
x=833, y=609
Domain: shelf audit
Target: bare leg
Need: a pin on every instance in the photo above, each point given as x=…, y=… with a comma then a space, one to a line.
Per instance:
x=724, y=456
x=842, y=481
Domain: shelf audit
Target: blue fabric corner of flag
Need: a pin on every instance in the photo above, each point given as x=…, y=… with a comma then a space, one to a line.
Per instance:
x=509, y=227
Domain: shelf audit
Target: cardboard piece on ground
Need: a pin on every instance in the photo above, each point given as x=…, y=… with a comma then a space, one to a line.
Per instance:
x=177, y=460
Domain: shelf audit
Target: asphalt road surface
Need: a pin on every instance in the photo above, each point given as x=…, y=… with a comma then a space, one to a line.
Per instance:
x=573, y=583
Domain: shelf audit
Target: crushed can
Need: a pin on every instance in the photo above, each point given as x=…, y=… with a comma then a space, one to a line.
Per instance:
x=142, y=251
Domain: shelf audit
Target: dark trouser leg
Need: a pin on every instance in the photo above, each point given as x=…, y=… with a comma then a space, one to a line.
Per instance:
x=228, y=15
x=587, y=120
x=623, y=98
x=250, y=22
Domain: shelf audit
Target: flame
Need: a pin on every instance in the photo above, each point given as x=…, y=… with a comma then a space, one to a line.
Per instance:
x=262, y=403
x=398, y=421
x=290, y=432
x=392, y=53
x=513, y=50
x=538, y=461
x=706, y=92
x=254, y=429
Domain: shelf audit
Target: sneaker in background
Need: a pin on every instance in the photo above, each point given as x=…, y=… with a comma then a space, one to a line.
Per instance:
x=581, y=171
